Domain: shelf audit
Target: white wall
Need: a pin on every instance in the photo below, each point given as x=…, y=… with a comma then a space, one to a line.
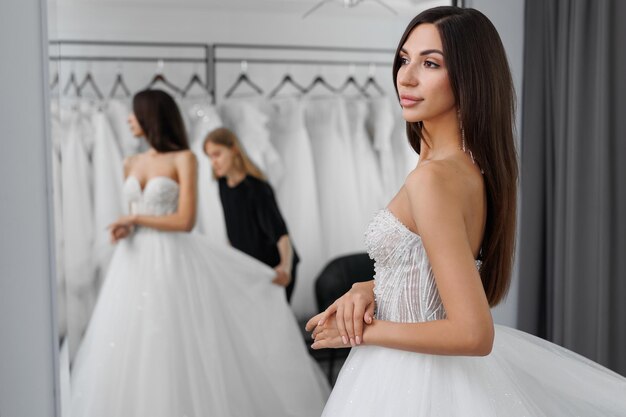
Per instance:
x=175, y=22
x=27, y=356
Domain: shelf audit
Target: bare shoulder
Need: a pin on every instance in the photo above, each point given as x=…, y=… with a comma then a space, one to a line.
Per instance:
x=436, y=179
x=186, y=157
x=440, y=195
x=129, y=162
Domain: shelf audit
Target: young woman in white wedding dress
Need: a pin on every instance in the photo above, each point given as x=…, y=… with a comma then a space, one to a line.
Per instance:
x=184, y=327
x=425, y=343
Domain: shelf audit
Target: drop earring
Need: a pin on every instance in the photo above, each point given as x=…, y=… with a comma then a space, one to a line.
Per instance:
x=463, y=147
x=463, y=144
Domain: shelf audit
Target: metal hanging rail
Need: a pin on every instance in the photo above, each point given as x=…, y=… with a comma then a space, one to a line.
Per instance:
x=287, y=61
x=210, y=52
x=205, y=59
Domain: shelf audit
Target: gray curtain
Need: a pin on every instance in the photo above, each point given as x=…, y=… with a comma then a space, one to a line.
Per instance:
x=572, y=250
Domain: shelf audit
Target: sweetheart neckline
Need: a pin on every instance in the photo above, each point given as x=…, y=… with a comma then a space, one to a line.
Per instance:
x=143, y=188
x=397, y=220
x=404, y=226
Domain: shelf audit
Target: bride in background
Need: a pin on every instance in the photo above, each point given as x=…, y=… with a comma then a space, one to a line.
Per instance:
x=183, y=327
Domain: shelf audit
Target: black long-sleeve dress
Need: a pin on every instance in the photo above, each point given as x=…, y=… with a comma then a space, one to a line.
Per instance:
x=254, y=223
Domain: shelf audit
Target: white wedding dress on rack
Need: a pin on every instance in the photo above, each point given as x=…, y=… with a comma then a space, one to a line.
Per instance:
x=340, y=209
x=118, y=111
x=367, y=169
x=380, y=125
x=297, y=198
x=58, y=132
x=202, y=118
x=78, y=223
x=523, y=375
x=246, y=119
x=184, y=327
x=107, y=165
x=404, y=156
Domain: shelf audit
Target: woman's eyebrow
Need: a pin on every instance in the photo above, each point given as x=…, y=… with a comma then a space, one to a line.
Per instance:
x=431, y=51
x=425, y=52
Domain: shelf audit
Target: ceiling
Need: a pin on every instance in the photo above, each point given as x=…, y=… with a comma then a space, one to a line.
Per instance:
x=366, y=7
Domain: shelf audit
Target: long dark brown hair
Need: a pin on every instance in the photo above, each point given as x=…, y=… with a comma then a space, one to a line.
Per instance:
x=480, y=79
x=160, y=119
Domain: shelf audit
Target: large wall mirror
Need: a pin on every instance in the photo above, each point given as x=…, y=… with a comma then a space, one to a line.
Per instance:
x=306, y=89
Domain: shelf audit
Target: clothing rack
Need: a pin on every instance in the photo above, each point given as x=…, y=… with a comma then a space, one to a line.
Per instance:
x=204, y=60
x=202, y=53
x=220, y=49
x=210, y=55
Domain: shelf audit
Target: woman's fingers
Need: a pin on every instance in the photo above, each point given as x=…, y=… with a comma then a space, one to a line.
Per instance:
x=340, y=324
x=332, y=309
x=369, y=313
x=357, y=319
x=313, y=322
x=326, y=341
x=348, y=321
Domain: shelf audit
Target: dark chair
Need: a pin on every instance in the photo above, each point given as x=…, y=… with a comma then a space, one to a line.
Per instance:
x=334, y=281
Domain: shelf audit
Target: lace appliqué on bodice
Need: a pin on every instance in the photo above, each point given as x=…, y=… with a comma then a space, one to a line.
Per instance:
x=159, y=196
x=405, y=287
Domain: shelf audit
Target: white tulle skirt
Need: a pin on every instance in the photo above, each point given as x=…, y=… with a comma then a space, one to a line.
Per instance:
x=523, y=376
x=186, y=328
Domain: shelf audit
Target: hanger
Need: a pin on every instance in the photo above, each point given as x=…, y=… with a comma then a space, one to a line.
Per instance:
x=371, y=81
x=71, y=82
x=54, y=82
x=160, y=78
x=319, y=80
x=287, y=80
x=243, y=78
x=195, y=79
x=352, y=81
x=88, y=80
x=119, y=83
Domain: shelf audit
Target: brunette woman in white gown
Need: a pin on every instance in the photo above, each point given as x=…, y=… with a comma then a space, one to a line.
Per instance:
x=184, y=327
x=443, y=250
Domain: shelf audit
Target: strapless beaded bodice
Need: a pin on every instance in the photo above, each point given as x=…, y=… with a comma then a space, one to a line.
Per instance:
x=405, y=287
x=159, y=196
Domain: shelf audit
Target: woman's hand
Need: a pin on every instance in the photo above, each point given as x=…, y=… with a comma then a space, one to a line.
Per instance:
x=121, y=228
x=349, y=311
x=283, y=276
x=328, y=336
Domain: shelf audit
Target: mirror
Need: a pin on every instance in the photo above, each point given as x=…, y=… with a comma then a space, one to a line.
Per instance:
x=174, y=317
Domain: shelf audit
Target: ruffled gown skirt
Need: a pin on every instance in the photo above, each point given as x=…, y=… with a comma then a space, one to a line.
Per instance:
x=184, y=327
x=524, y=376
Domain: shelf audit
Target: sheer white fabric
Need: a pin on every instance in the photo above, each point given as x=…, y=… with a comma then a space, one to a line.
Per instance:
x=58, y=132
x=404, y=156
x=118, y=111
x=523, y=376
x=335, y=175
x=107, y=167
x=249, y=123
x=298, y=199
x=367, y=170
x=78, y=226
x=380, y=125
x=203, y=118
x=184, y=327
